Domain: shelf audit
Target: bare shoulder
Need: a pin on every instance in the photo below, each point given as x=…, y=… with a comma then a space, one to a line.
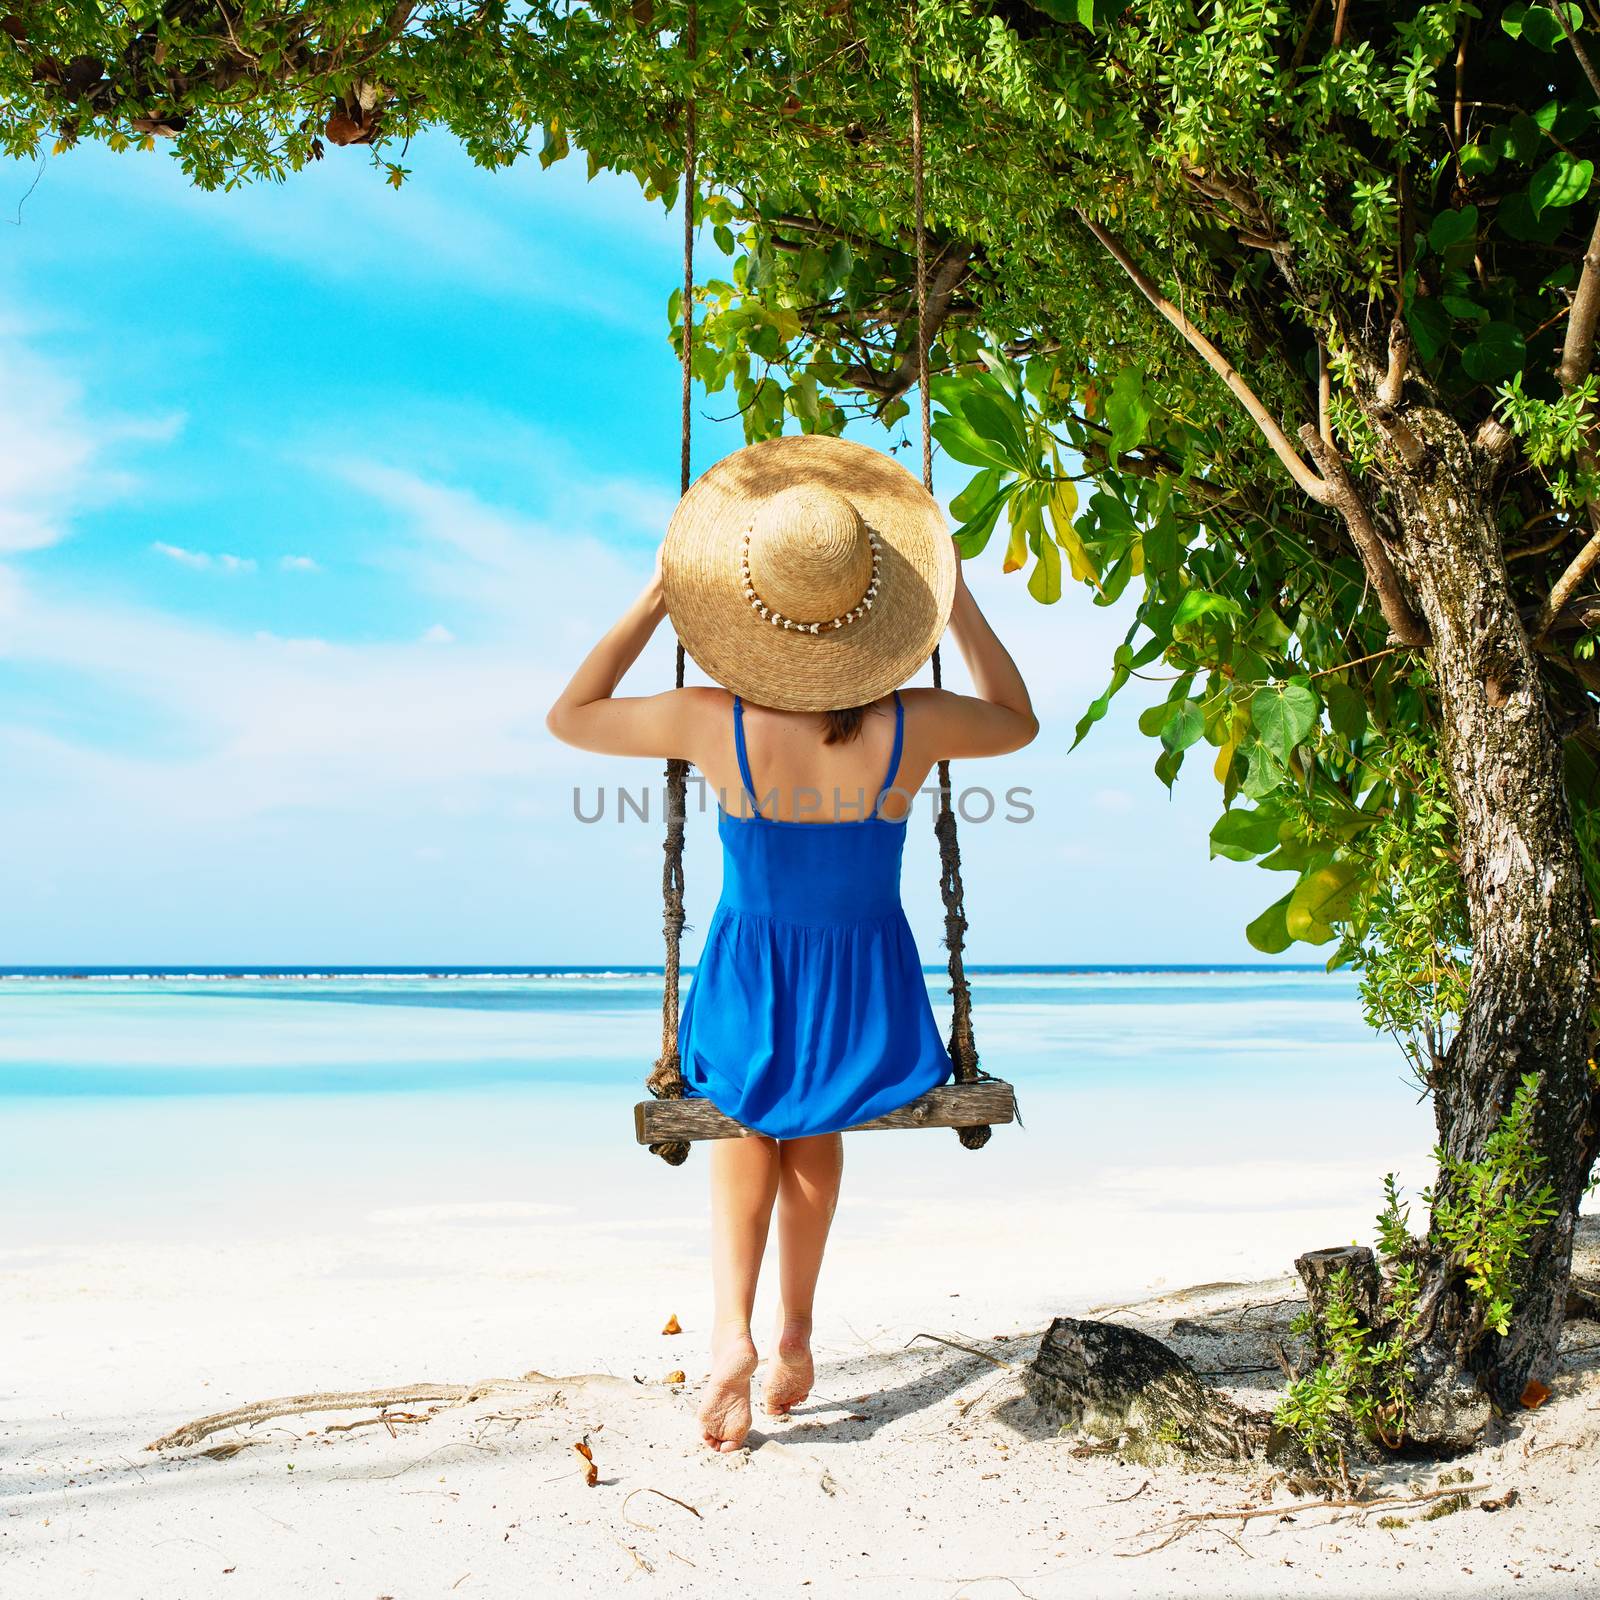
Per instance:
x=702, y=714
x=944, y=723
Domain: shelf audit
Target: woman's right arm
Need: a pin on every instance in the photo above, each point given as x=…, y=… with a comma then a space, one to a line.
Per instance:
x=998, y=715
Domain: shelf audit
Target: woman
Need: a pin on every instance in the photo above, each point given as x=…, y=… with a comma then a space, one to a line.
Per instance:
x=809, y=577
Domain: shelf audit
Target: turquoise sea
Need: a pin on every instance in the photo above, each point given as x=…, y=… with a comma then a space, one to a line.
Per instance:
x=138, y=1101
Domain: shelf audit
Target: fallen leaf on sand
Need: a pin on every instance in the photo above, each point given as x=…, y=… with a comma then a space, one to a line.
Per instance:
x=591, y=1475
x=675, y=1377
x=1509, y=1498
x=1535, y=1394
x=673, y=1325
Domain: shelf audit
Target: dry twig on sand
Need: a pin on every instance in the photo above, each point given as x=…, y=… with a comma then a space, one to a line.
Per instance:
x=646, y=1489
x=971, y=1350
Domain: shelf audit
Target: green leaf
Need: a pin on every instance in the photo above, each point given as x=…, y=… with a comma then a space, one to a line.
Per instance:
x=1496, y=353
x=1127, y=411
x=555, y=146
x=1561, y=181
x=1269, y=933
x=1517, y=219
x=1186, y=726
x=1200, y=609
x=1347, y=711
x=1240, y=835
x=1283, y=714
x=962, y=444
x=1477, y=161
x=1540, y=27
x=1044, y=582
x=973, y=534
x=1001, y=427
x=1321, y=899
x=1452, y=228
x=1430, y=326
x=1161, y=543
x=980, y=490
x=1264, y=773
x=1464, y=309
x=1098, y=707
x=1153, y=719
x=1167, y=766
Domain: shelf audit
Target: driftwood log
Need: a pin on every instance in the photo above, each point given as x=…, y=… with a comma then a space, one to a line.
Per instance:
x=1119, y=1384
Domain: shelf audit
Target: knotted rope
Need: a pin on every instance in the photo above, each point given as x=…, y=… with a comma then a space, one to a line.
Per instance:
x=963, y=1046
x=666, y=1076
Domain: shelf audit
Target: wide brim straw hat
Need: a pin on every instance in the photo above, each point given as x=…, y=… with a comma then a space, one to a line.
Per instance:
x=808, y=573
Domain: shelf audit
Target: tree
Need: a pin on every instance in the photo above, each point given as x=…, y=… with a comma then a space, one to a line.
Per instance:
x=1303, y=295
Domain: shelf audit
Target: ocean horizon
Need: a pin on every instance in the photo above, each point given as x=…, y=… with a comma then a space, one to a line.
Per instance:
x=440, y=971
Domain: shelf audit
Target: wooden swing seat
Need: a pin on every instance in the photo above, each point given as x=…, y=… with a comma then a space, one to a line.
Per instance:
x=986, y=1102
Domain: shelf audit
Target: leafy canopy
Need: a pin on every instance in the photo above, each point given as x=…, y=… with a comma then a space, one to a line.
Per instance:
x=1292, y=175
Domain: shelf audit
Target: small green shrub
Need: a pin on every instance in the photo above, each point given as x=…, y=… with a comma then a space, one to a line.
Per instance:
x=1483, y=1213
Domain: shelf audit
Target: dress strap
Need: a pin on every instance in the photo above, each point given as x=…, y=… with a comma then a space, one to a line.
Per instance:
x=894, y=754
x=744, y=755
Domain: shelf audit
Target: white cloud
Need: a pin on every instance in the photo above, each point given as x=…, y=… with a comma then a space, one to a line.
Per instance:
x=298, y=564
x=184, y=558
x=493, y=233
x=203, y=560
x=54, y=461
x=438, y=634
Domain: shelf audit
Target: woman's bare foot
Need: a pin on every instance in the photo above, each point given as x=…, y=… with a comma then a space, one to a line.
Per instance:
x=792, y=1372
x=725, y=1411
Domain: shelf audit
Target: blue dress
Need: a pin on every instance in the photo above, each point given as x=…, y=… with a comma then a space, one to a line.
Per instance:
x=808, y=1011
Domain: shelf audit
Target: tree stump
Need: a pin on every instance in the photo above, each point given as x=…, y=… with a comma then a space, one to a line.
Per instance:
x=1318, y=1268
x=1119, y=1384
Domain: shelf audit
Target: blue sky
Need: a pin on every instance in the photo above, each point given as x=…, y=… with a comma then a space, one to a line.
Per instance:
x=310, y=498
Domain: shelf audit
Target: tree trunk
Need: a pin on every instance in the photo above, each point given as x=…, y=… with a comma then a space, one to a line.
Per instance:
x=1532, y=962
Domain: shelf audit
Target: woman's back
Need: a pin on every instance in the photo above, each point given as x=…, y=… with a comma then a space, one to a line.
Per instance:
x=797, y=776
x=817, y=869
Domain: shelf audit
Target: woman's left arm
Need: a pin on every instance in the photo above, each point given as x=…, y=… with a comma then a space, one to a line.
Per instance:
x=589, y=715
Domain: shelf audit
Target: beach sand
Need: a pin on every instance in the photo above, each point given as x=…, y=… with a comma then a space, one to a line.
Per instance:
x=916, y=1469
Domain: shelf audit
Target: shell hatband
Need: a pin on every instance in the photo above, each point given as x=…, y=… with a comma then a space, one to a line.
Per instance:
x=778, y=620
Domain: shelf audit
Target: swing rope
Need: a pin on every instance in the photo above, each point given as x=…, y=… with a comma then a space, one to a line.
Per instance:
x=665, y=1081
x=963, y=1046
x=666, y=1077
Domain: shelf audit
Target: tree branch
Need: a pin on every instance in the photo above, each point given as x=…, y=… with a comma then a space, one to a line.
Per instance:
x=1392, y=384
x=1322, y=492
x=1577, y=357
x=1577, y=49
x=1404, y=623
x=945, y=277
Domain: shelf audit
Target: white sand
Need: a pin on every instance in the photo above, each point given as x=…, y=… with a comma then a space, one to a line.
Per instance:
x=914, y=1471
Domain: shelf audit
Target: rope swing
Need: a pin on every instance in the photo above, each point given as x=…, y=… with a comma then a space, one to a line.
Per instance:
x=669, y=1121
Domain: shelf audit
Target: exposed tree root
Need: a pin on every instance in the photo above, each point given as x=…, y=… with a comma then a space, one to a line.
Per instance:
x=1194, y=1519
x=296, y=1405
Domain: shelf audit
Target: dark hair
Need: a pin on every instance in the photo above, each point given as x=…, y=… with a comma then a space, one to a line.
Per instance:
x=843, y=726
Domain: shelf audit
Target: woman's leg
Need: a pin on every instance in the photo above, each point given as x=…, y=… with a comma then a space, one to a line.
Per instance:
x=744, y=1183
x=808, y=1191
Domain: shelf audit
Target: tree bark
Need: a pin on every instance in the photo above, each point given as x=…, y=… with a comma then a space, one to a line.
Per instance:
x=1532, y=950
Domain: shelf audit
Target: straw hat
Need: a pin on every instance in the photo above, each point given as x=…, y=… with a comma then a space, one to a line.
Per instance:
x=808, y=573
